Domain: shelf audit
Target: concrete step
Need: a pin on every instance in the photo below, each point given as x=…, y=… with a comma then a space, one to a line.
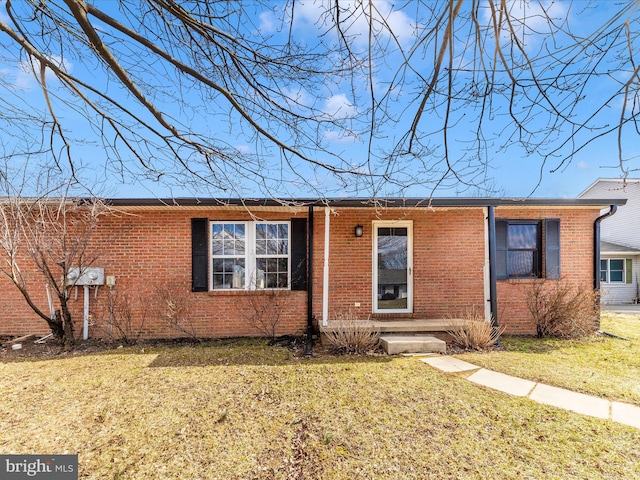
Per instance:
x=406, y=326
x=394, y=344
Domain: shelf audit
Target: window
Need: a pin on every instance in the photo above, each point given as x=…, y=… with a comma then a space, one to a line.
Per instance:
x=521, y=252
x=615, y=270
x=250, y=255
x=518, y=249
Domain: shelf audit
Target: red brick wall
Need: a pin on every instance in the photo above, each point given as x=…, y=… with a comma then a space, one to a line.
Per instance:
x=147, y=249
x=576, y=261
x=448, y=272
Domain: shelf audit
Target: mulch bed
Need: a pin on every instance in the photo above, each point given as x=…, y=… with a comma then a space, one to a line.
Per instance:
x=30, y=350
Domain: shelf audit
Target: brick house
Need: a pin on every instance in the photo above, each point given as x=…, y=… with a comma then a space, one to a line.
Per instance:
x=414, y=260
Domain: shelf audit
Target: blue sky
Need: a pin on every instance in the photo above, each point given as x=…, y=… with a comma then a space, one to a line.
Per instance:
x=512, y=172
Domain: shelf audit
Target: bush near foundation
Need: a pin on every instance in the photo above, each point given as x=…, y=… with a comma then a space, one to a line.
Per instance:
x=348, y=335
x=471, y=331
x=562, y=309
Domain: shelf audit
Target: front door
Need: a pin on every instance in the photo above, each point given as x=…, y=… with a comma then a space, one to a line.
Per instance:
x=393, y=267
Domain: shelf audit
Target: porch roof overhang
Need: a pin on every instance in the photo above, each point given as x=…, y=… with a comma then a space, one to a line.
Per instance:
x=608, y=248
x=304, y=203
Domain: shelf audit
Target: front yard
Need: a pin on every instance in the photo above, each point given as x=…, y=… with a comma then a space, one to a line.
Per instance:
x=601, y=365
x=242, y=410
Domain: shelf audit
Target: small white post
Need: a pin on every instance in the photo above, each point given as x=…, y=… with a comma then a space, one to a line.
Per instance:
x=85, y=330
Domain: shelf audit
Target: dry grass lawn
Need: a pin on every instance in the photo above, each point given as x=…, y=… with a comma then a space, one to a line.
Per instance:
x=242, y=410
x=601, y=365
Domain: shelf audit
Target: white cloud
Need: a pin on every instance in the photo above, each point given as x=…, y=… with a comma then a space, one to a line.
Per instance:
x=267, y=23
x=24, y=76
x=246, y=149
x=356, y=18
x=529, y=20
x=338, y=106
x=341, y=137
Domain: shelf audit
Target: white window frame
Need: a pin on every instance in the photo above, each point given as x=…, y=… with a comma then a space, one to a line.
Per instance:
x=624, y=271
x=250, y=256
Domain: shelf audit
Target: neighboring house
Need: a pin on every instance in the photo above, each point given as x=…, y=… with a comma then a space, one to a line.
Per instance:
x=619, y=240
x=389, y=259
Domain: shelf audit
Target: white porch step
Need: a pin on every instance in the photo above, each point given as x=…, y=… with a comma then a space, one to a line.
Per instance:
x=394, y=344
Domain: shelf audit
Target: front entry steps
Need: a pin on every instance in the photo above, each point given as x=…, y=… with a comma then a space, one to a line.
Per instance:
x=395, y=344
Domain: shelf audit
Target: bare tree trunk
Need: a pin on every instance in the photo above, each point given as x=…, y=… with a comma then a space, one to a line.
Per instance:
x=56, y=326
x=67, y=324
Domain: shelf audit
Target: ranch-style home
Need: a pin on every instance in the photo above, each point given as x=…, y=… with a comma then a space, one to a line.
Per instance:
x=226, y=268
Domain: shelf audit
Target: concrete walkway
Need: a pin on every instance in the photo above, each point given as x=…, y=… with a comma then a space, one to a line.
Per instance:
x=624, y=413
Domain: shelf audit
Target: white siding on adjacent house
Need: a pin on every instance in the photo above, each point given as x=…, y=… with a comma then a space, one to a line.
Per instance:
x=616, y=293
x=623, y=228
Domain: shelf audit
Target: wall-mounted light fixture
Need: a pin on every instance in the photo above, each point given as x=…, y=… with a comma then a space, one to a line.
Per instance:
x=358, y=230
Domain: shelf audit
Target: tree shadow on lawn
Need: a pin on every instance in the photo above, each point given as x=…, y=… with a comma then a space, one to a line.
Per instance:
x=236, y=355
x=189, y=352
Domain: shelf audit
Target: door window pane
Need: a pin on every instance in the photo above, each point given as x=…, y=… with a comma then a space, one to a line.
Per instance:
x=392, y=279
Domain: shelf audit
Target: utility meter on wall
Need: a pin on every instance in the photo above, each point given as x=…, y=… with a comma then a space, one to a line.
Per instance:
x=85, y=276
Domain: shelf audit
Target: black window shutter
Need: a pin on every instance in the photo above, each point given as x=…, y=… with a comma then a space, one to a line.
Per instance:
x=298, y=254
x=199, y=255
x=501, y=249
x=552, y=247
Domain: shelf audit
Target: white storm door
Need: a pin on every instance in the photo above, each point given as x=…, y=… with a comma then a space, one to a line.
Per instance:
x=392, y=267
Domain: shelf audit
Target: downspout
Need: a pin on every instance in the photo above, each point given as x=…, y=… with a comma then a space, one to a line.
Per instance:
x=325, y=273
x=308, y=351
x=596, y=246
x=493, y=289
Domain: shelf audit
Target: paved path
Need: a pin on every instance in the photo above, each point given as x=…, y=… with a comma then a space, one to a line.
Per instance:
x=558, y=397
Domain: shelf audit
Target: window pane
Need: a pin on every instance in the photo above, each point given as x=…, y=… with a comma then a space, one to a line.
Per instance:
x=523, y=236
x=227, y=239
x=272, y=247
x=272, y=239
x=521, y=264
x=228, y=273
x=603, y=270
x=616, y=270
x=616, y=276
x=616, y=264
x=272, y=280
x=283, y=265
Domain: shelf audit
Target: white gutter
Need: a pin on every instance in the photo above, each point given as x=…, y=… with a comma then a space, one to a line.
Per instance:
x=325, y=276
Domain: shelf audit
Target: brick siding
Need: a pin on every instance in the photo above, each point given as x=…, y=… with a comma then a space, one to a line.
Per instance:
x=149, y=249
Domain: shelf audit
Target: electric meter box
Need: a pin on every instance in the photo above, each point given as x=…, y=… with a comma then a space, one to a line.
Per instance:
x=85, y=276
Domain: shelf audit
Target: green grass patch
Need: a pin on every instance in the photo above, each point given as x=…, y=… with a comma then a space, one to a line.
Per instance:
x=599, y=365
x=249, y=411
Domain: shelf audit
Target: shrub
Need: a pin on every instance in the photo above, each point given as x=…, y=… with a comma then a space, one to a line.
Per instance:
x=265, y=310
x=349, y=335
x=118, y=321
x=171, y=303
x=561, y=309
x=473, y=332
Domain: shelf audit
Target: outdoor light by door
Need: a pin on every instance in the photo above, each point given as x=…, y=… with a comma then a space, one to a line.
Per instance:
x=359, y=230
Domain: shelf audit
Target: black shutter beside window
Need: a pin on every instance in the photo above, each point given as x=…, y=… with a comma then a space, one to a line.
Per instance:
x=298, y=254
x=199, y=255
x=501, y=249
x=552, y=247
